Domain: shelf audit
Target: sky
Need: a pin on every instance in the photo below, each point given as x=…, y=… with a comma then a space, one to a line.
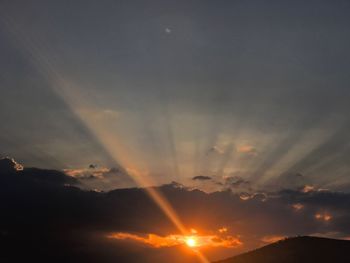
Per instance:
x=255, y=89
x=243, y=104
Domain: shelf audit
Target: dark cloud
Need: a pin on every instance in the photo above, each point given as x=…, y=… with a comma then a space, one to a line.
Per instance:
x=289, y=180
x=201, y=178
x=8, y=165
x=43, y=176
x=43, y=205
x=92, y=166
x=236, y=182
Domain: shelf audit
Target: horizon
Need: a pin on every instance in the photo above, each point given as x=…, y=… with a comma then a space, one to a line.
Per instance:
x=217, y=236
x=225, y=125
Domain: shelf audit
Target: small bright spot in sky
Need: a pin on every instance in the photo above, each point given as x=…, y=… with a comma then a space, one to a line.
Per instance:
x=167, y=30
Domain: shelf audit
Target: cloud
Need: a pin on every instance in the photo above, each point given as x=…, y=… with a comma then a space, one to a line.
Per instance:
x=157, y=241
x=223, y=230
x=308, y=188
x=101, y=178
x=91, y=173
x=11, y=170
x=323, y=217
x=257, y=196
x=289, y=180
x=8, y=165
x=39, y=201
x=248, y=150
x=236, y=182
x=201, y=178
x=298, y=206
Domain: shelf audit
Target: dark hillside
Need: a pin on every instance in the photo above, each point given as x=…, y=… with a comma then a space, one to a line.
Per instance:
x=298, y=250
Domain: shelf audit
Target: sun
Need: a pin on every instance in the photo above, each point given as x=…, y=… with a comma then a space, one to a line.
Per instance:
x=191, y=242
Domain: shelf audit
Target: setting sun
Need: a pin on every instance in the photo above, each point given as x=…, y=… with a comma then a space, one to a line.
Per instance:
x=191, y=242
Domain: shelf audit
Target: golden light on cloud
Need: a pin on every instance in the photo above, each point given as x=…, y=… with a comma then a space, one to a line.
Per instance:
x=192, y=241
x=297, y=206
x=308, y=188
x=247, y=149
x=223, y=230
x=80, y=173
x=323, y=217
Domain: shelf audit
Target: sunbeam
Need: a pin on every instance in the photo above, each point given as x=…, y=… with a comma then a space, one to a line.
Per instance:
x=83, y=108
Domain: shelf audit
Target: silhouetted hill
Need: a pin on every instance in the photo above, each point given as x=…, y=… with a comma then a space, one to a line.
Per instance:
x=298, y=250
x=46, y=217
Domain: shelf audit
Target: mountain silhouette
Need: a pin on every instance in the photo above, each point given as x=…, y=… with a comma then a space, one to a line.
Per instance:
x=297, y=250
x=45, y=216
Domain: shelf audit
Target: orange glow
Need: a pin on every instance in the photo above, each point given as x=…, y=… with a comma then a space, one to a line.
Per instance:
x=308, y=188
x=323, y=216
x=327, y=217
x=248, y=149
x=193, y=231
x=193, y=241
x=298, y=206
x=223, y=230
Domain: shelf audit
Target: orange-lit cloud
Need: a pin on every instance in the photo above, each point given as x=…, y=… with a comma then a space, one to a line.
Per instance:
x=297, y=206
x=308, y=188
x=311, y=188
x=223, y=230
x=97, y=173
x=323, y=216
x=12, y=163
x=247, y=196
x=247, y=149
x=195, y=240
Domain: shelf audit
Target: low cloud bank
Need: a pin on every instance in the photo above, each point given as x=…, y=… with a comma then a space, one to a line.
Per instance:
x=45, y=211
